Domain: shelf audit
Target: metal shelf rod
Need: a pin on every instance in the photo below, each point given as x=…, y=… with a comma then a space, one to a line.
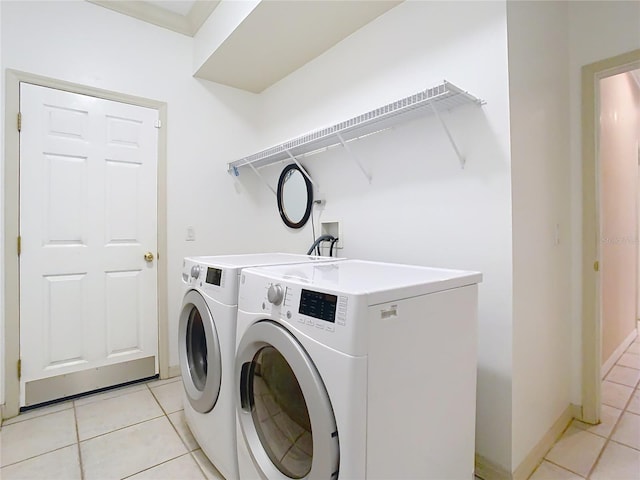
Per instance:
x=446, y=130
x=354, y=157
x=264, y=180
x=302, y=169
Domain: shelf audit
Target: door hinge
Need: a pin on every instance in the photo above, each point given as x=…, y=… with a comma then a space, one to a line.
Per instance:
x=19, y=368
x=19, y=121
x=19, y=245
x=596, y=266
x=157, y=124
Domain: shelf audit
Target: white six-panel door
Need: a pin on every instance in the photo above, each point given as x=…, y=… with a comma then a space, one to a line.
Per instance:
x=88, y=189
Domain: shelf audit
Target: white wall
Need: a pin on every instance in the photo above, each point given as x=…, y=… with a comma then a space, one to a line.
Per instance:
x=207, y=123
x=597, y=30
x=421, y=207
x=539, y=106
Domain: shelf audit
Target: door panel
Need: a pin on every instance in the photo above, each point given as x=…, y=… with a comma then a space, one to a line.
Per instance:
x=122, y=309
x=62, y=319
x=88, y=213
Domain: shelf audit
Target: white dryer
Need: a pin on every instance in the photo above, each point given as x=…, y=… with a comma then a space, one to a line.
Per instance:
x=356, y=370
x=206, y=345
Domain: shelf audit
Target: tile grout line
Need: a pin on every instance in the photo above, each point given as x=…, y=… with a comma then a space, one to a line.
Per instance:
x=38, y=455
x=16, y=422
x=189, y=452
x=618, y=383
x=561, y=466
x=193, y=457
x=75, y=418
x=121, y=428
x=154, y=466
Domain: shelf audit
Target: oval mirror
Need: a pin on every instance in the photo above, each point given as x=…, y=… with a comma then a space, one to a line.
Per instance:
x=295, y=196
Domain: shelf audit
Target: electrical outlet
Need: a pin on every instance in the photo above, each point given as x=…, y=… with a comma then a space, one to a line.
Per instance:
x=191, y=234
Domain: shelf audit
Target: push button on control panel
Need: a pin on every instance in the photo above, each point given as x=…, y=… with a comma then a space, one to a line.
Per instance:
x=341, y=315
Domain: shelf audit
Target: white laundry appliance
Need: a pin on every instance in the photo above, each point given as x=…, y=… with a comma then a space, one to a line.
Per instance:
x=356, y=370
x=206, y=344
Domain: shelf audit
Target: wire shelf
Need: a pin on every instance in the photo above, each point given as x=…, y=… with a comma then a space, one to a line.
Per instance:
x=443, y=97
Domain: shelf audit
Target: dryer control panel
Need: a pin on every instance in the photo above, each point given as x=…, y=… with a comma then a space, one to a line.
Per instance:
x=318, y=305
x=326, y=316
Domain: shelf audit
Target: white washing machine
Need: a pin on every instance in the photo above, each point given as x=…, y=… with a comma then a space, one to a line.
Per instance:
x=206, y=344
x=356, y=370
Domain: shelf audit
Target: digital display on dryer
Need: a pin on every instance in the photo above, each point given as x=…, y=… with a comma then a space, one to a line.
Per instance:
x=214, y=276
x=318, y=305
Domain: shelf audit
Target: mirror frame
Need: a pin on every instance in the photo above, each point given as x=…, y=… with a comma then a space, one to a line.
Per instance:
x=307, y=213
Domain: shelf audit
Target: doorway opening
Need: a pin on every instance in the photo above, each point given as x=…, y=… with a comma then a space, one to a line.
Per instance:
x=609, y=234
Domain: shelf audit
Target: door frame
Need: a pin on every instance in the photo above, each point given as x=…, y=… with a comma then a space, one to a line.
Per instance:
x=591, y=288
x=12, y=216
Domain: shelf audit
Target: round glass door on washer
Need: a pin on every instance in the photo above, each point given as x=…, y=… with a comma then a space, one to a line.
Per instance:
x=285, y=413
x=199, y=350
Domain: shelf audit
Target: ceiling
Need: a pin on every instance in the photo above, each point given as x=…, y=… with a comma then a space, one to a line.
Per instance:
x=271, y=41
x=278, y=37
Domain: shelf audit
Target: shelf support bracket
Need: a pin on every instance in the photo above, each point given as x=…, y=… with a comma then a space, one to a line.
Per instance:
x=449, y=136
x=264, y=180
x=354, y=157
x=302, y=169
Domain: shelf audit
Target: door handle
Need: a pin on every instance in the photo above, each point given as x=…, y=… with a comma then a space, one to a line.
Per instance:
x=246, y=387
x=148, y=257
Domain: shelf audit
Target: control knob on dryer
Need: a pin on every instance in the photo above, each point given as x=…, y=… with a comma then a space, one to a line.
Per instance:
x=195, y=271
x=275, y=294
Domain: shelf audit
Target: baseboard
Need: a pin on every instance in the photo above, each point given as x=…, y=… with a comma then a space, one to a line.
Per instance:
x=536, y=455
x=174, y=371
x=487, y=470
x=615, y=356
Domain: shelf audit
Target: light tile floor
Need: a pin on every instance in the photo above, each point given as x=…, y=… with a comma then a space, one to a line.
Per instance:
x=135, y=432
x=139, y=432
x=611, y=450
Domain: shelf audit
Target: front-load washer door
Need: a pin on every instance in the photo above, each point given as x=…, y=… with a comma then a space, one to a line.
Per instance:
x=199, y=351
x=284, y=410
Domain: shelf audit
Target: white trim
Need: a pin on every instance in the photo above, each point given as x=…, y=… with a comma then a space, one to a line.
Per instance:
x=537, y=453
x=150, y=13
x=617, y=353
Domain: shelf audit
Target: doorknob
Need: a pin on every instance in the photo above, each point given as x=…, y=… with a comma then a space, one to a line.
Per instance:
x=148, y=257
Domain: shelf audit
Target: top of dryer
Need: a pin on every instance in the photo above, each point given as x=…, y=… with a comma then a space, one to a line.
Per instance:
x=255, y=259
x=217, y=276
x=380, y=282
